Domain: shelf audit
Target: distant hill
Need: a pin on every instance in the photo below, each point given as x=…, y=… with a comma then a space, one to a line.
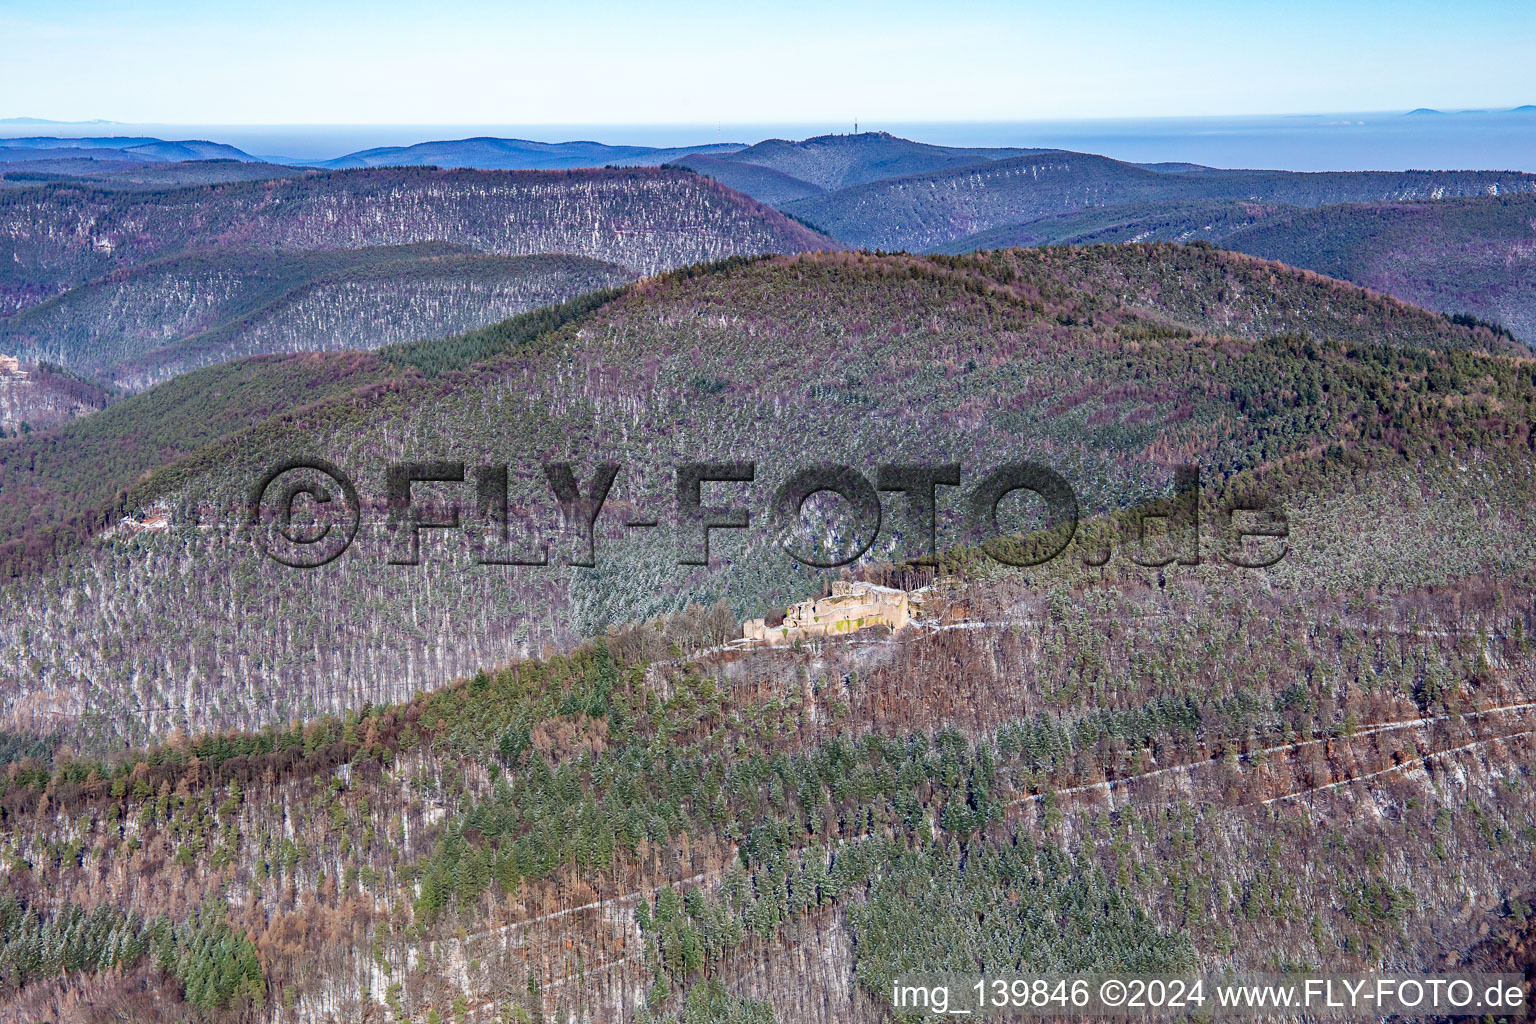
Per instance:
x=191, y=150
x=832, y=162
x=48, y=120
x=774, y=171
x=932, y=210
x=136, y=174
x=55, y=237
x=481, y=153
x=925, y=211
x=118, y=147
x=764, y=184
x=1523, y=109
x=1178, y=167
x=30, y=154
x=493, y=154
x=144, y=324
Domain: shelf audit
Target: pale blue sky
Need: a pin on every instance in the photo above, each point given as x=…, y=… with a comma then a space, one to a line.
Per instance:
x=591, y=61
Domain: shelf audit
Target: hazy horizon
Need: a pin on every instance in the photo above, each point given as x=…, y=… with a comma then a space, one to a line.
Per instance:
x=1340, y=140
x=105, y=122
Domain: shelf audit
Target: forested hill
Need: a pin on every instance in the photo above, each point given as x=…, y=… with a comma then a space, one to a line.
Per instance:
x=762, y=183
x=55, y=236
x=1181, y=220
x=929, y=210
x=117, y=149
x=63, y=487
x=1081, y=767
x=144, y=324
x=1208, y=288
x=36, y=398
x=833, y=162
x=1108, y=369
x=486, y=153
x=134, y=175
x=1473, y=256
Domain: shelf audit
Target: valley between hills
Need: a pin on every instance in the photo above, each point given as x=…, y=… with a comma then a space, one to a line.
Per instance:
x=233, y=791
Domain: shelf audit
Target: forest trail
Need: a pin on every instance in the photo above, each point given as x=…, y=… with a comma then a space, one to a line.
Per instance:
x=1373, y=729
x=620, y=898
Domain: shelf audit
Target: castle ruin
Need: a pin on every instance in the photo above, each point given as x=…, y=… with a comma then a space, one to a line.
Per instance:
x=851, y=606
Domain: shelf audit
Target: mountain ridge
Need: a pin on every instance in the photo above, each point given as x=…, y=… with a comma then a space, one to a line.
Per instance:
x=1455, y=255
x=491, y=153
x=923, y=211
x=835, y=162
x=645, y=219
x=366, y=791
x=136, y=174
x=717, y=388
x=141, y=324
x=144, y=148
